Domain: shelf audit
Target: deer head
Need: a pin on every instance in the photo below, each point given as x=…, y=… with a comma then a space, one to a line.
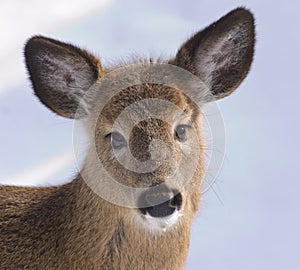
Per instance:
x=146, y=154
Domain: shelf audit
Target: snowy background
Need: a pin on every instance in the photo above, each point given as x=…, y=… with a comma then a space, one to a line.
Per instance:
x=251, y=218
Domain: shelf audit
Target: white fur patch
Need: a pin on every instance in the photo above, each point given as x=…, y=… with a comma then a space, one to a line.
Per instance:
x=160, y=225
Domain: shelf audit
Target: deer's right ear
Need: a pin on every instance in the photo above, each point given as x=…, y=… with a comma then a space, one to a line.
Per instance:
x=61, y=74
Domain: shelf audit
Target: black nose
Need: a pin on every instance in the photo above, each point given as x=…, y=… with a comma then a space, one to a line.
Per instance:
x=161, y=203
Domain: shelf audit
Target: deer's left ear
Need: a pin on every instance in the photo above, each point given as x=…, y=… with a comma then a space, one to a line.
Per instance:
x=222, y=53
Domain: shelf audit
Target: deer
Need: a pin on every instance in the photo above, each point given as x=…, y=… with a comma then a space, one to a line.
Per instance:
x=143, y=219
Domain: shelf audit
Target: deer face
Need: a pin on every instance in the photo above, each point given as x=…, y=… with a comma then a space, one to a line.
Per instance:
x=148, y=137
x=144, y=120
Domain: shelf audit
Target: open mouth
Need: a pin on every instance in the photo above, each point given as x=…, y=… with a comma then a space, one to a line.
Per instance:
x=170, y=203
x=161, y=208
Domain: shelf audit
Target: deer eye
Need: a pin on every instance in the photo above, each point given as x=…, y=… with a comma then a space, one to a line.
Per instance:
x=180, y=133
x=117, y=140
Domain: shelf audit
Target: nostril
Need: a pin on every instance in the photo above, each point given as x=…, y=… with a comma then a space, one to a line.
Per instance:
x=161, y=204
x=176, y=201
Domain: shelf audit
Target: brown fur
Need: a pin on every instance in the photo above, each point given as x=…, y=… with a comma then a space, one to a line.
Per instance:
x=69, y=226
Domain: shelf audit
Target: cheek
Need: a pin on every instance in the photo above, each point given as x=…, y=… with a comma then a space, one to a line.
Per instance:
x=191, y=201
x=113, y=167
x=104, y=153
x=192, y=190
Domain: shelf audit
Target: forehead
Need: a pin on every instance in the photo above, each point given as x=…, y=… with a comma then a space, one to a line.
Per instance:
x=149, y=101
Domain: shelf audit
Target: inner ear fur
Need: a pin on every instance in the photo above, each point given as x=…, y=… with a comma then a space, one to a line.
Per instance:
x=60, y=74
x=221, y=54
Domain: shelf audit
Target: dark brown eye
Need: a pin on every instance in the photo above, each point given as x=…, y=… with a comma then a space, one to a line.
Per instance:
x=180, y=133
x=117, y=140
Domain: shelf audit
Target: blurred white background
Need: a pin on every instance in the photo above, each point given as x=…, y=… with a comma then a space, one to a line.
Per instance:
x=250, y=219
